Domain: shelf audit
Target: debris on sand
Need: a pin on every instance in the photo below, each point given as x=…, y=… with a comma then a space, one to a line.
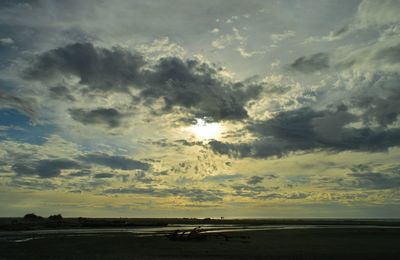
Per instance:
x=185, y=235
x=197, y=234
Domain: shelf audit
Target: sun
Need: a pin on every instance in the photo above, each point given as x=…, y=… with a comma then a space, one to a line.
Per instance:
x=204, y=130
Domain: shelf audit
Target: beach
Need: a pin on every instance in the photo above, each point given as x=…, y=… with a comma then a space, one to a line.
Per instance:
x=301, y=243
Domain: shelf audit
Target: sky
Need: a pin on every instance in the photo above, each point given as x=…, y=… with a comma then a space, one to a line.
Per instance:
x=211, y=108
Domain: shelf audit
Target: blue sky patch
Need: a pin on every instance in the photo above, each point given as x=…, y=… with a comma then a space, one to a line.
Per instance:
x=18, y=127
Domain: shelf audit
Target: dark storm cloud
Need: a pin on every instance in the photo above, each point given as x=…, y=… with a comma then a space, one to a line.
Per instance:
x=197, y=87
x=288, y=131
x=306, y=129
x=44, y=168
x=188, y=84
x=312, y=63
x=114, y=162
x=253, y=180
x=103, y=116
x=97, y=68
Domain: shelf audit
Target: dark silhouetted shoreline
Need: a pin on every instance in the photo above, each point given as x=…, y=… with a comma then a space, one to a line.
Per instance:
x=328, y=243
x=16, y=224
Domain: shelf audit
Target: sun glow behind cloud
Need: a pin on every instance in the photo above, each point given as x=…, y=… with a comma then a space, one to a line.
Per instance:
x=204, y=130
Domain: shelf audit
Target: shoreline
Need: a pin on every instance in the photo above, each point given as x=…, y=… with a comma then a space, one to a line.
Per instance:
x=322, y=243
x=19, y=224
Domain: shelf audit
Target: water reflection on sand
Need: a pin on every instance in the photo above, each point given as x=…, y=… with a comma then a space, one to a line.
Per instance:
x=27, y=235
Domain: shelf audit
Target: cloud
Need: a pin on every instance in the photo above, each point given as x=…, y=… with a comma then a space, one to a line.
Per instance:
x=114, y=162
x=270, y=176
x=306, y=129
x=364, y=176
x=103, y=175
x=22, y=105
x=11, y=3
x=61, y=92
x=288, y=196
x=197, y=87
x=255, y=180
x=371, y=13
x=103, y=116
x=278, y=37
x=189, y=84
x=381, y=56
x=378, y=97
x=194, y=194
x=332, y=36
x=312, y=63
x=96, y=68
x=379, y=18
x=246, y=53
x=141, y=177
x=223, y=177
x=359, y=168
x=228, y=39
x=249, y=191
x=44, y=168
x=237, y=41
x=6, y=41
x=374, y=180
x=131, y=190
x=189, y=143
x=81, y=173
x=390, y=54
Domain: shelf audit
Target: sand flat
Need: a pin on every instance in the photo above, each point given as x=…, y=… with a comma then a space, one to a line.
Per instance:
x=332, y=243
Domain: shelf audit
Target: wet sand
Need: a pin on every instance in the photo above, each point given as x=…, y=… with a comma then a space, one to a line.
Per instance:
x=332, y=243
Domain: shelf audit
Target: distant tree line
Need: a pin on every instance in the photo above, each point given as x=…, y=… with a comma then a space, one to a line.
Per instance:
x=34, y=217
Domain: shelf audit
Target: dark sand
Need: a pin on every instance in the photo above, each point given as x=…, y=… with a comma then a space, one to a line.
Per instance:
x=331, y=243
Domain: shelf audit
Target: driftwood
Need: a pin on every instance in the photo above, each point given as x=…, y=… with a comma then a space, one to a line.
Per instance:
x=185, y=235
x=196, y=234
